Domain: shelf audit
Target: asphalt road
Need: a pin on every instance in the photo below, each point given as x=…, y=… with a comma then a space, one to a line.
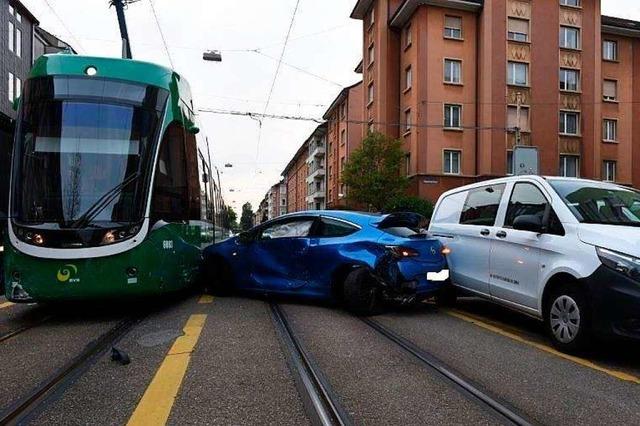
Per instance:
x=220, y=361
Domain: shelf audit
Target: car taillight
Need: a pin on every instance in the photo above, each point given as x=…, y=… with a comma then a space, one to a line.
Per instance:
x=446, y=250
x=401, y=252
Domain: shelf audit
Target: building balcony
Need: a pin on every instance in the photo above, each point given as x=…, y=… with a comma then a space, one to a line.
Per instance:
x=316, y=173
x=316, y=196
x=316, y=151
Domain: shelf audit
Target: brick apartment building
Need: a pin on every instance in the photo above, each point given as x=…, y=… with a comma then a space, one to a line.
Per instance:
x=345, y=133
x=451, y=78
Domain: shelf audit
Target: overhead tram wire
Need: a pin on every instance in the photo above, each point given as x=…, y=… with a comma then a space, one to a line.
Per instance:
x=302, y=70
x=259, y=116
x=275, y=77
x=75, y=39
x=164, y=40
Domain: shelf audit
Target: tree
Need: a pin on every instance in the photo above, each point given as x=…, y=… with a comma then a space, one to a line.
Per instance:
x=246, y=219
x=230, y=218
x=406, y=203
x=372, y=172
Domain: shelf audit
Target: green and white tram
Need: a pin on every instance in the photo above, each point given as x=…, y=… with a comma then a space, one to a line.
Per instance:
x=112, y=194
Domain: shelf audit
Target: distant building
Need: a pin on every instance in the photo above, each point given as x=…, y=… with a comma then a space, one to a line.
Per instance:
x=345, y=133
x=295, y=178
x=317, y=169
x=277, y=200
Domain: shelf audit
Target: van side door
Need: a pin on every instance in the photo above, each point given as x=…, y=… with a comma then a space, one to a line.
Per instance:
x=470, y=237
x=516, y=255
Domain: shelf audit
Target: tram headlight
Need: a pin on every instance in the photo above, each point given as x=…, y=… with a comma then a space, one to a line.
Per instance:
x=109, y=238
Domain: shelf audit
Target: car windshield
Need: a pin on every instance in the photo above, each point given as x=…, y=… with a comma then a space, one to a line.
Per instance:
x=84, y=144
x=600, y=203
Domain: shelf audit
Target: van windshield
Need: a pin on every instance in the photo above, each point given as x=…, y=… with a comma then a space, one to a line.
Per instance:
x=600, y=203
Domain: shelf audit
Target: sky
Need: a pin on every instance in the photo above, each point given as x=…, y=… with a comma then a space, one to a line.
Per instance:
x=324, y=47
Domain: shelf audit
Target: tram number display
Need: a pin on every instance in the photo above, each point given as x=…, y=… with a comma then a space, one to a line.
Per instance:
x=167, y=244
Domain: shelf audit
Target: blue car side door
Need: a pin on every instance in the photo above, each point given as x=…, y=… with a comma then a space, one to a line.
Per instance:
x=279, y=255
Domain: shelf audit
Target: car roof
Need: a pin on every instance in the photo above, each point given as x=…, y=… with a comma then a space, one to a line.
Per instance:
x=359, y=218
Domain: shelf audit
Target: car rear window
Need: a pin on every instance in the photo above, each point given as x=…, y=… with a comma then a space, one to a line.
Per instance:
x=331, y=228
x=401, y=231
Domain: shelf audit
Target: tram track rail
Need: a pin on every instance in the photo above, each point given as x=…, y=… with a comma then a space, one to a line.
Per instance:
x=320, y=400
x=21, y=410
x=482, y=398
x=25, y=327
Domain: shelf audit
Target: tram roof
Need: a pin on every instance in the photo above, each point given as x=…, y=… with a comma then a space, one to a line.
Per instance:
x=116, y=68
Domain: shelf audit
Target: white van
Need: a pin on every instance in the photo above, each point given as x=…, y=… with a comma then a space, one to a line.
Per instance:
x=566, y=251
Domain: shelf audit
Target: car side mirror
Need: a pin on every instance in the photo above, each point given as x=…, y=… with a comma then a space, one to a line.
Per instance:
x=245, y=237
x=528, y=222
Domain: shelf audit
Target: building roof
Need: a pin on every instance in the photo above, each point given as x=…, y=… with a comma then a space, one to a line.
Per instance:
x=359, y=67
x=620, y=26
x=52, y=40
x=344, y=93
x=23, y=9
x=408, y=7
x=321, y=128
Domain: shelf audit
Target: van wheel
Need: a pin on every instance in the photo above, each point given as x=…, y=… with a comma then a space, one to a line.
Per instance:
x=567, y=318
x=361, y=295
x=218, y=277
x=447, y=296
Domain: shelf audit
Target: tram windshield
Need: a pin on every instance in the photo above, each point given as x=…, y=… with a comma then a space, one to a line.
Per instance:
x=84, y=152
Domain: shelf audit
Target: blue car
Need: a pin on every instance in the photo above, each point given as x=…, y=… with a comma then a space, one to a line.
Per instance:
x=359, y=259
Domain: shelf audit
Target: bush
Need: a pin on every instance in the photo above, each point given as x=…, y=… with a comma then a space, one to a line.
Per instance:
x=411, y=204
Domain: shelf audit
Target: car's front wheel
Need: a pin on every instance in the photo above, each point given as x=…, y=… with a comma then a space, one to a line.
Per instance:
x=361, y=294
x=218, y=277
x=567, y=319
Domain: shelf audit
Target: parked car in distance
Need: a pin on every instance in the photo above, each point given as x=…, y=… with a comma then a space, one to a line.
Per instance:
x=565, y=251
x=357, y=258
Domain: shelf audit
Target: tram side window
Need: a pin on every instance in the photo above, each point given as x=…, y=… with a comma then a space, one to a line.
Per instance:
x=195, y=207
x=170, y=190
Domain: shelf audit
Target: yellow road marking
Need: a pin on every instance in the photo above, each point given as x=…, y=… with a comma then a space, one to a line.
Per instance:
x=5, y=305
x=205, y=298
x=156, y=403
x=548, y=349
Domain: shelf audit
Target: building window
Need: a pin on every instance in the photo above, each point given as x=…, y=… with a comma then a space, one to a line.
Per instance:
x=452, y=115
x=569, y=165
x=452, y=71
x=510, y=168
x=372, y=16
x=518, y=29
x=610, y=90
x=453, y=27
x=11, y=87
x=370, y=127
x=371, y=54
x=370, y=94
x=407, y=36
x=451, y=164
x=18, y=88
x=18, y=17
x=12, y=10
x=343, y=111
x=569, y=38
x=342, y=164
x=574, y=3
x=610, y=130
x=12, y=32
x=408, y=78
x=569, y=123
x=517, y=73
x=610, y=50
x=407, y=120
x=343, y=137
x=569, y=80
x=18, y=43
x=512, y=118
x=407, y=162
x=609, y=171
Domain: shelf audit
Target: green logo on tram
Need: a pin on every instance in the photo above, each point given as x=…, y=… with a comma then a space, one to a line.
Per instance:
x=65, y=273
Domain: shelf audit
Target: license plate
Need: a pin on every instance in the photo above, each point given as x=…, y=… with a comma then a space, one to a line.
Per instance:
x=438, y=276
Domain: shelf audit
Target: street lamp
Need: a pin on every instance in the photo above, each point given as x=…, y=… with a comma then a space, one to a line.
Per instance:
x=212, y=56
x=228, y=165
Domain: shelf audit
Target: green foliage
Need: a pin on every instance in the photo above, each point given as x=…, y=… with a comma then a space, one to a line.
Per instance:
x=405, y=203
x=230, y=218
x=246, y=219
x=372, y=172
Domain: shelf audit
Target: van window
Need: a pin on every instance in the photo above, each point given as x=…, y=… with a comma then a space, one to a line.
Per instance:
x=481, y=206
x=527, y=199
x=450, y=209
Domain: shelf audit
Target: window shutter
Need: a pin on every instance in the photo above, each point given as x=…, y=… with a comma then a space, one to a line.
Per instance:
x=518, y=26
x=609, y=89
x=453, y=22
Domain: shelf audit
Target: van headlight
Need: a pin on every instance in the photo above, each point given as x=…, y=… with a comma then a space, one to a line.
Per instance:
x=622, y=263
